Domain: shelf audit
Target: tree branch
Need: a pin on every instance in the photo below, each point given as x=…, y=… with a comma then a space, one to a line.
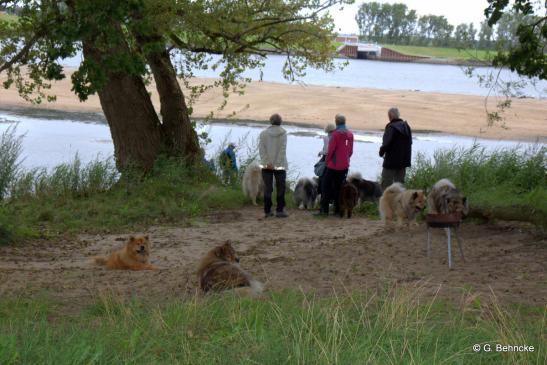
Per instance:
x=20, y=55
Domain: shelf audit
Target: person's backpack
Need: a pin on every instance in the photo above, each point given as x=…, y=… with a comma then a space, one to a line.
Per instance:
x=320, y=167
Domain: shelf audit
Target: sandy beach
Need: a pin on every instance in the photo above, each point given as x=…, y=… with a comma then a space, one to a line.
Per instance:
x=365, y=109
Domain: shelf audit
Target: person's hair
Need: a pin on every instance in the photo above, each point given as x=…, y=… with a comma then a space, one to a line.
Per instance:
x=339, y=119
x=275, y=119
x=330, y=128
x=393, y=113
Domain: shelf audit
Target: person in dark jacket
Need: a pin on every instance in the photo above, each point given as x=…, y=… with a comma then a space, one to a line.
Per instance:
x=396, y=149
x=228, y=163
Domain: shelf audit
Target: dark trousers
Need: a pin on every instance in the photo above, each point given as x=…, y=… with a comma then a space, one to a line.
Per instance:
x=390, y=176
x=280, y=177
x=332, y=184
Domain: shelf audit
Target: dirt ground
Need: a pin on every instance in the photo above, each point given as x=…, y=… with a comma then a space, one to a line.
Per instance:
x=300, y=252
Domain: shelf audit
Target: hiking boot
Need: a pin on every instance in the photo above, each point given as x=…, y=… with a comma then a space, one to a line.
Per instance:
x=268, y=215
x=281, y=215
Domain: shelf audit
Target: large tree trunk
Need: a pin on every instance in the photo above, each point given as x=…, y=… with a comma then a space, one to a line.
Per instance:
x=134, y=124
x=178, y=135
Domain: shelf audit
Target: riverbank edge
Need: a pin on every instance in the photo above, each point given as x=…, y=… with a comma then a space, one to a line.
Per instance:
x=98, y=117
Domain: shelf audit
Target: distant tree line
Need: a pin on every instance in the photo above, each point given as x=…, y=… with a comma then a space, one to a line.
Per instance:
x=397, y=24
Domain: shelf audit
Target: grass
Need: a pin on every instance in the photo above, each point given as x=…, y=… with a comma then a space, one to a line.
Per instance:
x=73, y=197
x=397, y=326
x=172, y=192
x=444, y=53
x=509, y=184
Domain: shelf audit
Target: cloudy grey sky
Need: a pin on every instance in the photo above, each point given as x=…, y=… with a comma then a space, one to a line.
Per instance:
x=456, y=11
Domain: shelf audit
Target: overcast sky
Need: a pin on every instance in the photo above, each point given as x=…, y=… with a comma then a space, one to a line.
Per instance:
x=456, y=11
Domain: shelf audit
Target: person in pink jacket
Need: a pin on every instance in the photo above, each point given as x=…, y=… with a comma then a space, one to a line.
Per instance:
x=337, y=161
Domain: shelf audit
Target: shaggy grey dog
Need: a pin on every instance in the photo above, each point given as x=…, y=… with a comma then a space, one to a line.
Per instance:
x=444, y=198
x=305, y=193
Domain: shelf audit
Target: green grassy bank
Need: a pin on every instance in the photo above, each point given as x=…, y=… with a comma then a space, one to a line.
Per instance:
x=456, y=54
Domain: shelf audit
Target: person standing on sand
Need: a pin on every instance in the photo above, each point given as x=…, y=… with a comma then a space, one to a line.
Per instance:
x=337, y=160
x=273, y=156
x=323, y=154
x=396, y=149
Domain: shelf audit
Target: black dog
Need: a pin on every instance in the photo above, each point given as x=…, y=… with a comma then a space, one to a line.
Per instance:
x=368, y=190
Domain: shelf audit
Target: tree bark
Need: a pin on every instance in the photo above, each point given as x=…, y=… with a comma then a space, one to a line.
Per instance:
x=134, y=124
x=178, y=135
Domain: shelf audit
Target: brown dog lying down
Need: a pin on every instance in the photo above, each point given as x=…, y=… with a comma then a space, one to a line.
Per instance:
x=219, y=270
x=134, y=256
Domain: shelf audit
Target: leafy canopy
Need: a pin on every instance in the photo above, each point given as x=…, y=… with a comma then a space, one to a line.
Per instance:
x=242, y=32
x=528, y=57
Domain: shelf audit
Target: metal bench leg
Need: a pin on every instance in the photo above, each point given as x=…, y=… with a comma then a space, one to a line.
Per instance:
x=428, y=242
x=449, y=248
x=459, y=243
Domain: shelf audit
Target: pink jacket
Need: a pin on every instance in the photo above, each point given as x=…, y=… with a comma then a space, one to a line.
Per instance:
x=340, y=150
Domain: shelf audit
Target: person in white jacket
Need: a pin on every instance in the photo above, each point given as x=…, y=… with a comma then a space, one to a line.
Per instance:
x=273, y=157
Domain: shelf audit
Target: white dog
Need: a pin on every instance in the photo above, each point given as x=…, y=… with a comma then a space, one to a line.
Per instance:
x=252, y=184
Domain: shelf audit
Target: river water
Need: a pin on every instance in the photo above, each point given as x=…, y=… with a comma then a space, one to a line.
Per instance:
x=51, y=139
x=383, y=75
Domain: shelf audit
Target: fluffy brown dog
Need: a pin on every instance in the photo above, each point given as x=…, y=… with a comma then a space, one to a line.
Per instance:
x=219, y=270
x=134, y=256
x=405, y=204
x=444, y=198
x=349, y=196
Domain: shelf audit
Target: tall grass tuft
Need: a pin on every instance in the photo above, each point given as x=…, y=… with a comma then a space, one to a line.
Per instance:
x=510, y=183
x=11, y=147
x=70, y=179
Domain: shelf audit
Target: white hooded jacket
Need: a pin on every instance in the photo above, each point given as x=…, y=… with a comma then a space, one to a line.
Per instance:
x=273, y=147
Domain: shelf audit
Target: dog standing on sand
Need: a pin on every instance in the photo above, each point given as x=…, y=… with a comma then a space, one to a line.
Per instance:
x=305, y=193
x=396, y=201
x=444, y=198
x=349, y=196
x=252, y=183
x=134, y=256
x=219, y=270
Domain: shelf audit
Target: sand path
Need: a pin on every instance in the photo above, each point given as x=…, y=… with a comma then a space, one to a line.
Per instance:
x=301, y=252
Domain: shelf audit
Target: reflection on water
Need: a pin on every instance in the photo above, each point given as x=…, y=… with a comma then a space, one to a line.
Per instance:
x=49, y=142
